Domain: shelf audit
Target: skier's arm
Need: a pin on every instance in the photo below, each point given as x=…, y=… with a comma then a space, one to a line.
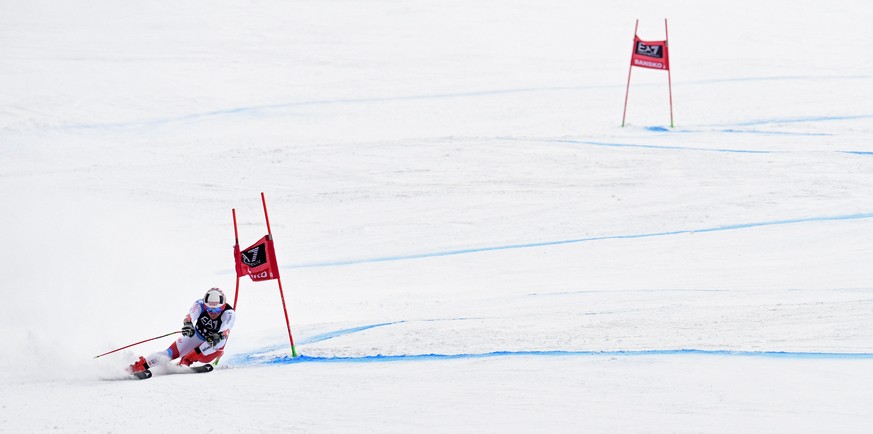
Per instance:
x=187, y=323
x=194, y=312
x=228, y=317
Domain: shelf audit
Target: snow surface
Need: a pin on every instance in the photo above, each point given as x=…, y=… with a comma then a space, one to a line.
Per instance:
x=469, y=240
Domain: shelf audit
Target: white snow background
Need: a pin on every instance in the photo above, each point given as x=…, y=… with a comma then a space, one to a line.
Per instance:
x=469, y=240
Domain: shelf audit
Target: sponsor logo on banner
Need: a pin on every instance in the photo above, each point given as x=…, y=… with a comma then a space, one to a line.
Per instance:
x=656, y=51
x=261, y=275
x=258, y=260
x=649, y=64
x=650, y=54
x=254, y=256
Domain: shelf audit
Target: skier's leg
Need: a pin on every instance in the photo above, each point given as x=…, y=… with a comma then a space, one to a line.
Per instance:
x=197, y=356
x=144, y=363
x=204, y=353
x=182, y=345
x=157, y=359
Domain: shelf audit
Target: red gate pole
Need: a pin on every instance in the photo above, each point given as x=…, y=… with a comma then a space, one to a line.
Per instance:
x=279, y=278
x=235, y=269
x=235, y=260
x=629, y=69
x=669, y=80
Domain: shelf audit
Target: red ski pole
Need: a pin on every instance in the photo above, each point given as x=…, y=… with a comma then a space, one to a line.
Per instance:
x=128, y=346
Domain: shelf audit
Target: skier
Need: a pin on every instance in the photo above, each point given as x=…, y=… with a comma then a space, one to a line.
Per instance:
x=204, y=333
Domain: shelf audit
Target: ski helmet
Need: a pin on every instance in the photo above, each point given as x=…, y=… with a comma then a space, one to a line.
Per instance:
x=213, y=301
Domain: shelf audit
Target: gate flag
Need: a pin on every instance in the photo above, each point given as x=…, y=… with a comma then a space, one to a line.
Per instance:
x=650, y=54
x=258, y=261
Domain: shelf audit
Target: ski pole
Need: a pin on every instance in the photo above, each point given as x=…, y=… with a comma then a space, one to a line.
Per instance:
x=128, y=346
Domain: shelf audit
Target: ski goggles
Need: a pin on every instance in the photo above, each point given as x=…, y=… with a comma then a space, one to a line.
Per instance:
x=214, y=309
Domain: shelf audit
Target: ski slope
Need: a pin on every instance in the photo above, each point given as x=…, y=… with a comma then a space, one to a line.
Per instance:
x=469, y=240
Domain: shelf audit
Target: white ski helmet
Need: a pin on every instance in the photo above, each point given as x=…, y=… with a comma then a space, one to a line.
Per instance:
x=213, y=301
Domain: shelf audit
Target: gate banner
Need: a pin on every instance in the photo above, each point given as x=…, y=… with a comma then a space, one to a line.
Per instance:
x=258, y=261
x=650, y=54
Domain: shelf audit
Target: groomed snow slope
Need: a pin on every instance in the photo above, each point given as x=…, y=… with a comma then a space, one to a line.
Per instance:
x=469, y=240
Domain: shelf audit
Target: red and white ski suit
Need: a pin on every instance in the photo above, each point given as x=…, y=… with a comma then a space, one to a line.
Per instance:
x=195, y=348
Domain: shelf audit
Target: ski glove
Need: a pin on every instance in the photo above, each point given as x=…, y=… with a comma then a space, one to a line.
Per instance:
x=214, y=338
x=188, y=329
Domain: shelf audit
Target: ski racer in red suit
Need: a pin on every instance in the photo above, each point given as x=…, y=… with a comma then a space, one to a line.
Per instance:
x=204, y=333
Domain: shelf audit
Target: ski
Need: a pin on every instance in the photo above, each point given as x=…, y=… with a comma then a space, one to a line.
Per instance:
x=142, y=375
x=203, y=368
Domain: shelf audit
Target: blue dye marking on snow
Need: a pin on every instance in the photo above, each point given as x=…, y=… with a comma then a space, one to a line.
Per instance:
x=859, y=216
x=657, y=129
x=804, y=120
x=774, y=133
x=259, y=109
x=612, y=291
x=857, y=152
x=779, y=78
x=287, y=360
x=331, y=335
x=364, y=100
x=308, y=340
x=264, y=357
x=680, y=148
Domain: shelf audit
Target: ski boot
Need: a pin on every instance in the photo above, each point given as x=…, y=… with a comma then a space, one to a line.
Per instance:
x=138, y=366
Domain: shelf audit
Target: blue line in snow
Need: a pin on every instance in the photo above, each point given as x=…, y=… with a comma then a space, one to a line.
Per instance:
x=254, y=109
x=310, y=340
x=803, y=120
x=660, y=129
x=681, y=148
x=333, y=334
x=263, y=357
x=859, y=216
x=363, y=100
x=773, y=133
x=780, y=78
x=287, y=360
